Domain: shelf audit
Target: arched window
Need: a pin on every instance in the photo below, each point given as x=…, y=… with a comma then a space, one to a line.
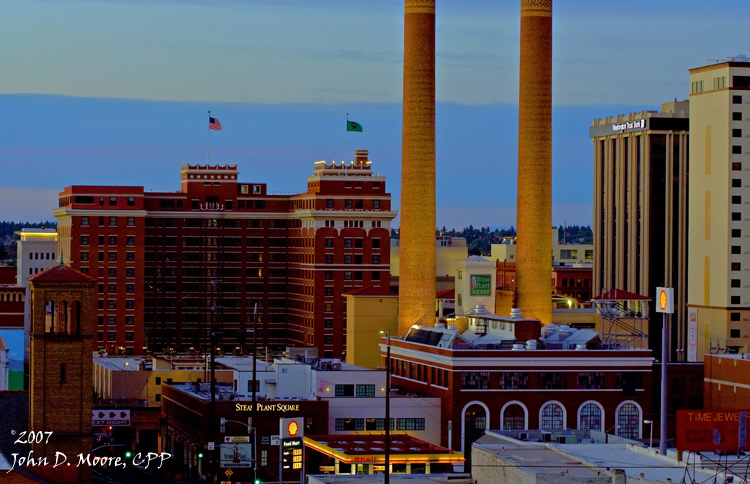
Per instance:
x=552, y=417
x=514, y=417
x=590, y=417
x=49, y=317
x=629, y=420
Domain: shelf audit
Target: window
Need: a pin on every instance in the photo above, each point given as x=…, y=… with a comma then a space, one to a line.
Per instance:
x=551, y=380
x=720, y=82
x=329, y=258
x=590, y=381
x=111, y=335
x=376, y=243
x=348, y=205
x=62, y=373
x=736, y=116
x=410, y=424
x=328, y=324
x=348, y=259
x=736, y=166
x=377, y=424
x=736, y=232
x=344, y=390
x=736, y=249
x=111, y=321
x=590, y=417
x=111, y=288
x=514, y=380
x=348, y=243
x=131, y=240
x=736, y=199
x=329, y=203
x=84, y=240
x=130, y=288
x=101, y=288
x=130, y=272
x=736, y=266
x=357, y=275
x=553, y=417
x=696, y=87
x=84, y=256
x=628, y=421
x=128, y=336
x=348, y=275
x=735, y=283
x=376, y=204
x=475, y=380
x=366, y=391
x=85, y=221
x=357, y=243
x=329, y=307
x=514, y=417
x=157, y=397
x=111, y=304
x=112, y=221
x=112, y=272
x=736, y=133
x=735, y=300
x=375, y=275
x=250, y=386
x=358, y=259
x=329, y=242
x=129, y=320
x=736, y=99
x=129, y=304
x=736, y=216
x=329, y=275
x=343, y=424
x=736, y=149
x=734, y=333
x=113, y=256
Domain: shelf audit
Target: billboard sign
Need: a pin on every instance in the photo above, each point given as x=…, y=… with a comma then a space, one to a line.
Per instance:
x=712, y=430
x=664, y=300
x=481, y=285
x=292, y=448
x=236, y=455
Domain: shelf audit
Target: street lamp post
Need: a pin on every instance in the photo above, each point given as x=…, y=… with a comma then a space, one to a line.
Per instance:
x=651, y=436
x=255, y=405
x=387, y=407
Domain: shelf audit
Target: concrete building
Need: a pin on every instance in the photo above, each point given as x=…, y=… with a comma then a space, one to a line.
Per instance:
x=475, y=284
x=719, y=234
x=173, y=265
x=448, y=251
x=534, y=212
x=417, y=232
x=641, y=210
x=562, y=253
x=36, y=250
x=577, y=457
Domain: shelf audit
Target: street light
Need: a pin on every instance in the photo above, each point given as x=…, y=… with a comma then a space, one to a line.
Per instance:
x=651, y=437
x=387, y=407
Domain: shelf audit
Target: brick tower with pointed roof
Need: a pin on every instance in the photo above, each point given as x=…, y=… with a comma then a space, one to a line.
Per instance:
x=61, y=364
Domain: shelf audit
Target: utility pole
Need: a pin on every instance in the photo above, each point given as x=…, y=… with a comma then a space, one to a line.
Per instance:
x=388, y=409
x=255, y=404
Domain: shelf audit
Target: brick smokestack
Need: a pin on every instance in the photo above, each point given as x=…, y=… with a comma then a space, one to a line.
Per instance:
x=417, y=232
x=534, y=212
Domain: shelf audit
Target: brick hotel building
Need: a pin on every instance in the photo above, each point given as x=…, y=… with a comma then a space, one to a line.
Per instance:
x=172, y=267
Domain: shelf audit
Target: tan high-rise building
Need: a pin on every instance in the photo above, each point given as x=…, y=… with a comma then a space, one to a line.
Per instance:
x=534, y=212
x=640, y=213
x=719, y=236
x=417, y=277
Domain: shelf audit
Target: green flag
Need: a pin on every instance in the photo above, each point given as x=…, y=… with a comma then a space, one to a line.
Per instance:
x=352, y=126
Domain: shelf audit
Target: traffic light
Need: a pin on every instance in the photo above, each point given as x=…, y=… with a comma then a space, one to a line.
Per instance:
x=200, y=455
x=128, y=454
x=257, y=481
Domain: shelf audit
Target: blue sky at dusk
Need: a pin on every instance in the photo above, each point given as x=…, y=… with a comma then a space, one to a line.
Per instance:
x=117, y=92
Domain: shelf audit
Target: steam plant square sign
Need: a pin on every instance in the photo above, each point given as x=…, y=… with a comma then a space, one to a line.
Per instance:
x=481, y=285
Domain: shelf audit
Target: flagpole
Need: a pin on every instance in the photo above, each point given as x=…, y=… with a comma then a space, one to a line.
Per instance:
x=209, y=137
x=347, y=138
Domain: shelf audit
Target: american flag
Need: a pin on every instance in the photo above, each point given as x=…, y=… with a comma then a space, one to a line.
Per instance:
x=214, y=123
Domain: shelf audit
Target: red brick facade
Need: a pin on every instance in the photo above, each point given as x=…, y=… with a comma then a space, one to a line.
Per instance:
x=171, y=266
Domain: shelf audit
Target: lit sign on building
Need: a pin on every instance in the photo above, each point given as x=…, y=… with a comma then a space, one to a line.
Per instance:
x=707, y=430
x=481, y=285
x=292, y=445
x=641, y=123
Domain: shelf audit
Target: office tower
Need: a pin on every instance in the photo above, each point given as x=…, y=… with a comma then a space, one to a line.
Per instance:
x=534, y=211
x=417, y=230
x=641, y=210
x=719, y=254
x=174, y=267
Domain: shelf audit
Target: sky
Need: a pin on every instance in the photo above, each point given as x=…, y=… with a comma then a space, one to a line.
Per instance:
x=112, y=92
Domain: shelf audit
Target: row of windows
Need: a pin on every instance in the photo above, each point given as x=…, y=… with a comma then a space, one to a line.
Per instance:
x=483, y=380
x=42, y=255
x=112, y=288
x=351, y=424
x=351, y=390
x=112, y=320
x=353, y=275
x=353, y=259
x=112, y=336
x=89, y=200
x=129, y=221
x=112, y=304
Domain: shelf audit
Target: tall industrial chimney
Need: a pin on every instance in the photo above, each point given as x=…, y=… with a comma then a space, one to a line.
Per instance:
x=417, y=232
x=534, y=211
